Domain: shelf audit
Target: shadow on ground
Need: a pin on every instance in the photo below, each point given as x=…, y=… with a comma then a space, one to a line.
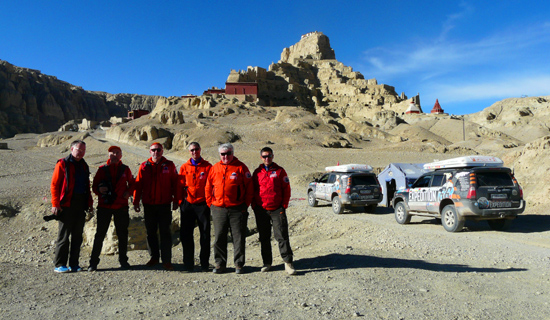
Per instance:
x=530, y=223
x=350, y=261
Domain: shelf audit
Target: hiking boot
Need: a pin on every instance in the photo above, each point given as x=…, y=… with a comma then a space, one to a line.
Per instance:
x=75, y=269
x=152, y=262
x=266, y=268
x=168, y=266
x=189, y=268
x=218, y=270
x=92, y=268
x=239, y=270
x=124, y=265
x=61, y=269
x=289, y=268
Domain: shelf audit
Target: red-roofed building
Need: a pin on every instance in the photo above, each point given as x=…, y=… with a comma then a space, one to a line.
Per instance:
x=437, y=108
x=134, y=114
x=245, y=91
x=214, y=90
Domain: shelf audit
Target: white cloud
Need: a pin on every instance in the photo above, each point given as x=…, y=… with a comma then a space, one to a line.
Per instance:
x=449, y=24
x=441, y=56
x=511, y=86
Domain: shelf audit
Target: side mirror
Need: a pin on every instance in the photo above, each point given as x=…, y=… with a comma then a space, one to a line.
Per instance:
x=316, y=180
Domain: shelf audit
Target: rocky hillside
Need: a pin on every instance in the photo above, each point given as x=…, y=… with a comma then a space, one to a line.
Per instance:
x=525, y=119
x=31, y=101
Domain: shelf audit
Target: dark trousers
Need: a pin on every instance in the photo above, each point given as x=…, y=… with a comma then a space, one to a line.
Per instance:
x=158, y=216
x=276, y=218
x=71, y=224
x=224, y=219
x=122, y=220
x=191, y=215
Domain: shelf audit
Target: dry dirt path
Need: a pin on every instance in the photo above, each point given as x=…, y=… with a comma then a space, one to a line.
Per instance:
x=350, y=265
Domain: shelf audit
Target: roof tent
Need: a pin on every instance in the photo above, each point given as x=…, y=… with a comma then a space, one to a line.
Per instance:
x=398, y=175
x=463, y=162
x=350, y=168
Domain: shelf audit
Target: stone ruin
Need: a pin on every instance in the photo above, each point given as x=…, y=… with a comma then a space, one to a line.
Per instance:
x=309, y=75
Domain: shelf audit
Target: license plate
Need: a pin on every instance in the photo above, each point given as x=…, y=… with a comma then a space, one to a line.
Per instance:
x=366, y=197
x=500, y=204
x=499, y=196
x=365, y=191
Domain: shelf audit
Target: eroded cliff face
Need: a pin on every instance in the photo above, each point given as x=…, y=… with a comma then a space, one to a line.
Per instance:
x=31, y=101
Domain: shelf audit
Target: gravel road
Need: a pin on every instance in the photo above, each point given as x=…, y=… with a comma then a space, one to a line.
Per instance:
x=349, y=265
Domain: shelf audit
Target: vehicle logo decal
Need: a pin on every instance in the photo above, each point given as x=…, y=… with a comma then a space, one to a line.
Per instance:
x=430, y=194
x=483, y=203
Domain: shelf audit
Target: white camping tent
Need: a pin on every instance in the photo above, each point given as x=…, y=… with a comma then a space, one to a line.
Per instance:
x=398, y=175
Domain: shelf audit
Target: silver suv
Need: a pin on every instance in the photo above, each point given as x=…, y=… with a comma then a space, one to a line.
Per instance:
x=346, y=187
x=460, y=189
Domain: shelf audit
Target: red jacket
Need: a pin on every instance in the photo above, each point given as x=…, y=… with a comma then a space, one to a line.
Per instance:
x=271, y=187
x=63, y=181
x=156, y=183
x=192, y=180
x=124, y=183
x=229, y=185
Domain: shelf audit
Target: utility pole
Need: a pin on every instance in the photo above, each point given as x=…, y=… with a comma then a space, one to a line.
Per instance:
x=463, y=130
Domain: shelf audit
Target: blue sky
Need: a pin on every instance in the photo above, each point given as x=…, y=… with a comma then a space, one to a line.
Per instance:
x=467, y=54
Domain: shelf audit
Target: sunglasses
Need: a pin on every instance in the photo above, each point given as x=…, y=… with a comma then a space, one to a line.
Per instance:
x=223, y=154
x=155, y=150
x=194, y=150
x=268, y=156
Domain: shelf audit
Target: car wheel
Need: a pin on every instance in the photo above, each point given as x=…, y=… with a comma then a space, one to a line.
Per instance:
x=401, y=214
x=337, y=205
x=499, y=224
x=450, y=219
x=370, y=208
x=311, y=199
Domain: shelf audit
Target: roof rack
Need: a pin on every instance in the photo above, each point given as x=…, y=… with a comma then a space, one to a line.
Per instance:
x=350, y=168
x=463, y=162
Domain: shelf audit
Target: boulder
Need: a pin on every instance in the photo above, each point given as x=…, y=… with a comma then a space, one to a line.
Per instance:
x=87, y=125
x=137, y=234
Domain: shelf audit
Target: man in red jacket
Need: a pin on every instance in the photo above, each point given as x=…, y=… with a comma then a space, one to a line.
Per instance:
x=71, y=198
x=155, y=186
x=193, y=207
x=271, y=197
x=229, y=192
x=113, y=184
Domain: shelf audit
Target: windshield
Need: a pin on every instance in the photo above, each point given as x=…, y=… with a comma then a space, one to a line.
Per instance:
x=410, y=181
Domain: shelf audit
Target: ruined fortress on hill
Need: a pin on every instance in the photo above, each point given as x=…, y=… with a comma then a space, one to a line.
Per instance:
x=308, y=75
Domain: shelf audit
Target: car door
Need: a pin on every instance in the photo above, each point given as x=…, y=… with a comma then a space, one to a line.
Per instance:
x=332, y=185
x=436, y=193
x=321, y=186
x=418, y=192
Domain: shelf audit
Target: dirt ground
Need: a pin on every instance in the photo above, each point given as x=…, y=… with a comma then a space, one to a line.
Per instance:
x=349, y=265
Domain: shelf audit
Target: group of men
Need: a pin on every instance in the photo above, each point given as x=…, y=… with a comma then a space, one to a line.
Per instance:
x=221, y=192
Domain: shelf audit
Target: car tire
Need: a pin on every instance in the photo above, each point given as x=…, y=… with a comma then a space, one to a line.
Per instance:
x=311, y=199
x=450, y=219
x=500, y=224
x=370, y=208
x=337, y=206
x=401, y=214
